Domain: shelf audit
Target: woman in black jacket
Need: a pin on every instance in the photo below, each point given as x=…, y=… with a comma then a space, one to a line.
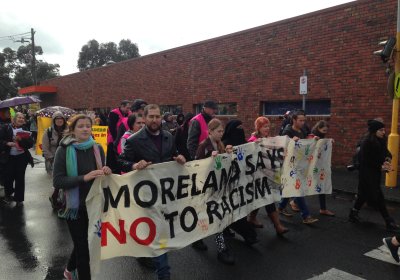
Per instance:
x=374, y=158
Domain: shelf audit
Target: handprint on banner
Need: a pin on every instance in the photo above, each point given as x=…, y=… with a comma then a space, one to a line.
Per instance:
x=292, y=173
x=307, y=150
x=319, y=154
x=297, y=144
x=315, y=170
x=318, y=188
x=322, y=175
x=291, y=163
x=203, y=225
x=240, y=153
x=163, y=243
x=309, y=181
x=326, y=147
x=310, y=158
x=298, y=184
x=218, y=163
x=98, y=228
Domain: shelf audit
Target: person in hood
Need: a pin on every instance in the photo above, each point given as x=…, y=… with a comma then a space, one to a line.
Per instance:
x=51, y=139
x=169, y=124
x=182, y=136
x=78, y=161
x=374, y=158
x=180, y=119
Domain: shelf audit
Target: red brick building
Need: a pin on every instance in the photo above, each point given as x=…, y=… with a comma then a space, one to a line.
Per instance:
x=251, y=71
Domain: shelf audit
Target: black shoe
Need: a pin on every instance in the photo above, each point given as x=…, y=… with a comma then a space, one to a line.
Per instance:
x=147, y=262
x=8, y=199
x=199, y=245
x=226, y=257
x=353, y=216
x=19, y=204
x=394, y=250
x=392, y=227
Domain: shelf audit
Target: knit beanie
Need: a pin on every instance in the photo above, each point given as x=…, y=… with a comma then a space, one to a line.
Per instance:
x=374, y=125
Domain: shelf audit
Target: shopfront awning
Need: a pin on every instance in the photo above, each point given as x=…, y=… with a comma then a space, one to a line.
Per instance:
x=38, y=90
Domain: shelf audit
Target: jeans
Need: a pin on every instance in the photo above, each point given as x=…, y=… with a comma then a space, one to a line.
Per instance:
x=301, y=203
x=162, y=267
x=80, y=254
x=15, y=172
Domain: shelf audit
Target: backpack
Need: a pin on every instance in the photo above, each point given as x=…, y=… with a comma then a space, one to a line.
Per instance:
x=355, y=159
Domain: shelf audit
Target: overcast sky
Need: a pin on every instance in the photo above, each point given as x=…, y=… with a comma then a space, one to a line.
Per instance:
x=63, y=27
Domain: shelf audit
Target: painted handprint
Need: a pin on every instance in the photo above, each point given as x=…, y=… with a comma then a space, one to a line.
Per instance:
x=297, y=144
x=307, y=150
x=318, y=188
x=326, y=147
x=218, y=163
x=291, y=163
x=322, y=175
x=292, y=173
x=98, y=228
x=240, y=153
x=315, y=170
x=298, y=184
x=310, y=158
x=309, y=181
x=203, y=224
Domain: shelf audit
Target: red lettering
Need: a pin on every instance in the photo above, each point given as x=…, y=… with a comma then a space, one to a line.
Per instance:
x=152, y=231
x=121, y=236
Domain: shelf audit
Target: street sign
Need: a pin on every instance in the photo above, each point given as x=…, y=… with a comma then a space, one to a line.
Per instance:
x=397, y=86
x=303, y=85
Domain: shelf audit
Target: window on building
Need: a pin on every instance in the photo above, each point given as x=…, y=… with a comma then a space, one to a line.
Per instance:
x=224, y=109
x=174, y=109
x=313, y=107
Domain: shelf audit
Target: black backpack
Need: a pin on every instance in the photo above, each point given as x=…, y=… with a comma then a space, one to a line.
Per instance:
x=355, y=160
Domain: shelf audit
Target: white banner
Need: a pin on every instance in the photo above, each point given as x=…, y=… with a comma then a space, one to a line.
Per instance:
x=169, y=206
x=307, y=168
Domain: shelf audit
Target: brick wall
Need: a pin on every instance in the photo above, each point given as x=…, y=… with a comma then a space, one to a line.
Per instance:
x=335, y=45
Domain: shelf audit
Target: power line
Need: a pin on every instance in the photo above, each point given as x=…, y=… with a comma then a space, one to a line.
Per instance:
x=10, y=36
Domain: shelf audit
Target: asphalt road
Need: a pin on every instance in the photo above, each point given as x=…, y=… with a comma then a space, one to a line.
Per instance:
x=35, y=244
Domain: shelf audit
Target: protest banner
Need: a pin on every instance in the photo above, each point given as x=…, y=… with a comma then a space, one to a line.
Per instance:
x=307, y=168
x=168, y=206
x=100, y=136
x=42, y=124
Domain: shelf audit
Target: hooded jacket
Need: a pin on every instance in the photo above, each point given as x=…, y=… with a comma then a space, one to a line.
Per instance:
x=49, y=146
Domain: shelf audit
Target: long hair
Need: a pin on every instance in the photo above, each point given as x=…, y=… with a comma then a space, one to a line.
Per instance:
x=258, y=123
x=320, y=124
x=213, y=125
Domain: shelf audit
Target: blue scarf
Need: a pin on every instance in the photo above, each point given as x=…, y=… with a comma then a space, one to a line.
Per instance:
x=72, y=195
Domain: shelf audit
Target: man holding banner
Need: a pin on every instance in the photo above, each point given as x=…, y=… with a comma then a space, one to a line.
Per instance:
x=148, y=146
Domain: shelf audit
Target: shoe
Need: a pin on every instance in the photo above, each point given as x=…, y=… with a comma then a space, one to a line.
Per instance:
x=353, y=216
x=326, y=213
x=309, y=220
x=285, y=212
x=226, y=257
x=147, y=262
x=68, y=274
x=8, y=199
x=19, y=204
x=199, y=245
x=394, y=250
x=294, y=206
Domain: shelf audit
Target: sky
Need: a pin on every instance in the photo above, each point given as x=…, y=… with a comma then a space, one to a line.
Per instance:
x=63, y=27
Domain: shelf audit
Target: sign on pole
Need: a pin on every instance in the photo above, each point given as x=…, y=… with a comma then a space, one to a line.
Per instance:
x=303, y=85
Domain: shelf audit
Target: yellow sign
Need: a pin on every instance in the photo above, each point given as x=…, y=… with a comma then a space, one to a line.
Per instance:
x=99, y=134
x=397, y=86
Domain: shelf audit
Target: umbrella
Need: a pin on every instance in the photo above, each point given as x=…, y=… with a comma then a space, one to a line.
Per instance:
x=49, y=111
x=15, y=101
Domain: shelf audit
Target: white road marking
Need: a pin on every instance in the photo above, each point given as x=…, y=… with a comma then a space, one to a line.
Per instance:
x=382, y=253
x=336, y=274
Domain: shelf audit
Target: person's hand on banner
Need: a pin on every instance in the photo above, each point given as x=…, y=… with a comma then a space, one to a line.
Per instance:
x=107, y=170
x=295, y=139
x=11, y=144
x=93, y=175
x=214, y=153
x=229, y=149
x=316, y=138
x=141, y=165
x=180, y=159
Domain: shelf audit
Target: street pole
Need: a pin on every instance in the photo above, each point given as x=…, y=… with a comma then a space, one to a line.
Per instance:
x=393, y=141
x=304, y=95
x=34, y=58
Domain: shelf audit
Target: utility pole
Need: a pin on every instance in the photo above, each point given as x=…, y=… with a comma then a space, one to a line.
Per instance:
x=393, y=141
x=34, y=58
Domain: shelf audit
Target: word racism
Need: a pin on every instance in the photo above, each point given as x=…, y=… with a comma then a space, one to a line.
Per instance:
x=169, y=206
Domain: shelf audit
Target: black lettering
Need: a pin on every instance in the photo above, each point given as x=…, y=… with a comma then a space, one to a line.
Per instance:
x=109, y=199
x=170, y=218
x=195, y=219
x=166, y=191
x=225, y=206
x=224, y=178
x=154, y=194
x=250, y=165
x=212, y=209
x=260, y=162
x=265, y=185
x=249, y=191
x=272, y=157
x=235, y=170
x=234, y=206
x=242, y=202
x=258, y=188
x=194, y=191
x=182, y=186
x=211, y=182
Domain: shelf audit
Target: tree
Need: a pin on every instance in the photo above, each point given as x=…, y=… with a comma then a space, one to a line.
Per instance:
x=94, y=55
x=16, y=69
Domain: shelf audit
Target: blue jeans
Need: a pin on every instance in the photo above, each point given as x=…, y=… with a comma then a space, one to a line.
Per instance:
x=301, y=203
x=162, y=267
